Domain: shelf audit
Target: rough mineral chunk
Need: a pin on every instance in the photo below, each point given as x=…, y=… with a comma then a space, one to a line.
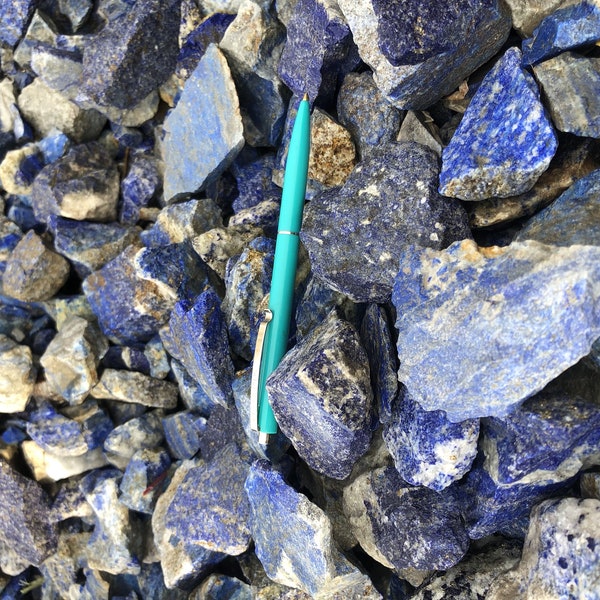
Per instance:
x=504, y=141
x=527, y=14
x=420, y=51
x=571, y=85
x=560, y=554
x=322, y=399
x=14, y=17
x=355, y=234
x=492, y=352
x=19, y=168
x=33, y=271
x=183, y=431
x=17, y=375
x=138, y=187
x=216, y=138
x=401, y=526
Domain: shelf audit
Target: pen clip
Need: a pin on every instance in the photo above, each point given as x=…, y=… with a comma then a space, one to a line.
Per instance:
x=258, y=350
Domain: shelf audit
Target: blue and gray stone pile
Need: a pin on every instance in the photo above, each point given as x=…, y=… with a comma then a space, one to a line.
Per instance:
x=439, y=405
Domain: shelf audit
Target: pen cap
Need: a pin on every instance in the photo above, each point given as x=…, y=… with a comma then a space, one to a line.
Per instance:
x=296, y=172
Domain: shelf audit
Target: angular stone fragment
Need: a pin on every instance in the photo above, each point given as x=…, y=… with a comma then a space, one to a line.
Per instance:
x=322, y=399
x=254, y=180
x=33, y=271
x=428, y=449
x=560, y=554
x=527, y=14
x=216, y=138
x=306, y=556
x=574, y=25
x=19, y=168
x=420, y=52
x=10, y=235
x=27, y=527
x=492, y=352
x=571, y=85
x=199, y=339
x=14, y=17
x=183, y=431
x=402, y=526
x=414, y=130
x=355, y=234
x=138, y=187
x=221, y=586
x=83, y=185
x=504, y=141
x=133, y=54
x=190, y=391
x=17, y=375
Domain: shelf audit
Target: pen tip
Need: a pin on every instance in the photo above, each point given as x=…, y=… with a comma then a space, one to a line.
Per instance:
x=305, y=97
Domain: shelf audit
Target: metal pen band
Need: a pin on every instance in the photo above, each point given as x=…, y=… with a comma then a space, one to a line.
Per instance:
x=288, y=232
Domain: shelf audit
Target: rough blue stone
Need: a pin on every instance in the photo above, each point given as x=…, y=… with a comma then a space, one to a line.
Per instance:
x=319, y=50
x=247, y=281
x=133, y=54
x=190, y=391
x=58, y=68
x=217, y=137
x=365, y=113
x=138, y=187
x=200, y=338
x=263, y=216
x=7, y=142
x=407, y=527
x=223, y=427
x=376, y=338
x=53, y=146
x=10, y=236
x=27, y=527
x=222, y=587
x=419, y=51
x=566, y=28
x=89, y=246
x=254, y=181
x=133, y=295
x=390, y=200
x=14, y=17
x=214, y=493
x=428, y=449
x=322, y=399
x=182, y=433
x=519, y=317
x=126, y=357
x=571, y=86
x=504, y=141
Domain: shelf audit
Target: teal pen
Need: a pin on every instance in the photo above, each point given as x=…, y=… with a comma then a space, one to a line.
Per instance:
x=272, y=338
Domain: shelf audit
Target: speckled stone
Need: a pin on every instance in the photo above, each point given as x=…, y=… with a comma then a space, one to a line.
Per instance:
x=217, y=137
x=14, y=17
x=190, y=391
x=571, y=85
x=415, y=65
x=33, y=271
x=401, y=526
x=17, y=375
x=389, y=200
x=183, y=431
x=504, y=141
x=138, y=187
x=322, y=399
x=19, y=168
x=527, y=14
x=560, y=555
x=447, y=370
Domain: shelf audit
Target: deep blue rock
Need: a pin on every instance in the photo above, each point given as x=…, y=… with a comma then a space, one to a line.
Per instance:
x=138, y=187
x=190, y=391
x=222, y=587
x=14, y=17
x=217, y=137
x=127, y=358
x=532, y=305
x=183, y=431
x=200, y=342
x=419, y=51
x=27, y=527
x=376, y=338
x=254, y=180
x=571, y=86
x=390, y=200
x=504, y=141
x=264, y=216
x=133, y=295
x=133, y=54
x=365, y=113
x=566, y=28
x=223, y=427
x=322, y=399
x=573, y=218
x=403, y=526
x=428, y=449
x=319, y=50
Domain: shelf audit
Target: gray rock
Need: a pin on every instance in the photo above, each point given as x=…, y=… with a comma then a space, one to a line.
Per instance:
x=571, y=85
x=448, y=370
x=322, y=399
x=414, y=130
x=527, y=14
x=33, y=271
x=71, y=359
x=589, y=483
x=217, y=586
x=390, y=200
x=17, y=375
x=560, y=554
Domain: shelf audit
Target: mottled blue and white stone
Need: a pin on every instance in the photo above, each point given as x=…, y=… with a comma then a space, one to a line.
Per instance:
x=217, y=137
x=17, y=375
x=138, y=187
x=504, y=141
x=190, y=391
x=514, y=318
x=14, y=17
x=183, y=431
x=322, y=399
x=567, y=28
x=571, y=86
x=560, y=555
x=402, y=526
